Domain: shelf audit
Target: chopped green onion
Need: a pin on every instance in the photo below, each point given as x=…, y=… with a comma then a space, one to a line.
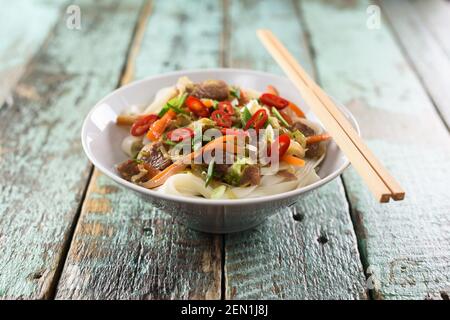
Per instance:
x=235, y=92
x=209, y=175
x=175, y=104
x=170, y=142
x=218, y=192
x=299, y=137
x=279, y=117
x=245, y=116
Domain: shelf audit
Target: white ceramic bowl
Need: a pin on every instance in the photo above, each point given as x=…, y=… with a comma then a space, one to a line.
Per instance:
x=102, y=139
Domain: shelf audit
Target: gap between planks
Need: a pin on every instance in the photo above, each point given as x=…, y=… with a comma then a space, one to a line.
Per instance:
x=126, y=77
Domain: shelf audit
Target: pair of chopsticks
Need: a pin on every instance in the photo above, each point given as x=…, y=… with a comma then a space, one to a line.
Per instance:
x=377, y=178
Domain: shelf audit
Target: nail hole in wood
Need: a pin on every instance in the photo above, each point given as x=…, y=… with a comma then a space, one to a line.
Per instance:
x=444, y=295
x=322, y=239
x=37, y=275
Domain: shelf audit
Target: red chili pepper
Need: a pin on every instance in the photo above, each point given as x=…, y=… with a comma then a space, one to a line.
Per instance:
x=282, y=143
x=226, y=107
x=234, y=132
x=221, y=118
x=197, y=107
x=180, y=134
x=142, y=124
x=257, y=120
x=272, y=100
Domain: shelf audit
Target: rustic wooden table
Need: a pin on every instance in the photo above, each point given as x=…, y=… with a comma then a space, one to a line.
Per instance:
x=66, y=231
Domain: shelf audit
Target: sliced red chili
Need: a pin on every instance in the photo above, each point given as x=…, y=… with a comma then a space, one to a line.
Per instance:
x=197, y=106
x=226, y=107
x=282, y=144
x=180, y=134
x=141, y=125
x=257, y=120
x=234, y=132
x=221, y=118
x=272, y=100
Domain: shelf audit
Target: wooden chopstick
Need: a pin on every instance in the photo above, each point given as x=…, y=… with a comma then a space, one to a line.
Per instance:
x=379, y=181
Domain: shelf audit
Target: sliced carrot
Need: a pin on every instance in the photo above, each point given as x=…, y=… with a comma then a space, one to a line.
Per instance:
x=208, y=102
x=317, y=138
x=181, y=164
x=159, y=126
x=293, y=160
x=296, y=110
x=272, y=90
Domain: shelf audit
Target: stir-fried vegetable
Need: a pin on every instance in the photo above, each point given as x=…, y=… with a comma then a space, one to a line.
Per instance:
x=317, y=138
x=188, y=133
x=158, y=127
x=141, y=125
x=257, y=121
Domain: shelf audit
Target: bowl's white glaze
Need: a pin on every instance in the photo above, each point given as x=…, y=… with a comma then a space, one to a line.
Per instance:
x=102, y=139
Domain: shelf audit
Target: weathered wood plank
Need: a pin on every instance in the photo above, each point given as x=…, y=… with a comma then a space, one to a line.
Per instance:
x=309, y=252
x=21, y=37
x=123, y=247
x=43, y=170
x=405, y=244
x=436, y=17
x=423, y=49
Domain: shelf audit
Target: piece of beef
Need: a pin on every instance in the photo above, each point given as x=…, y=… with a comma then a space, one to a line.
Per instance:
x=220, y=169
x=251, y=176
x=313, y=150
x=303, y=128
x=211, y=89
x=127, y=169
x=153, y=155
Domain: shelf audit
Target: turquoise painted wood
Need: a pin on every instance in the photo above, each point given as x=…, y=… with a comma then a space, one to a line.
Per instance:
x=43, y=170
x=310, y=251
x=123, y=247
x=404, y=245
x=423, y=47
x=24, y=27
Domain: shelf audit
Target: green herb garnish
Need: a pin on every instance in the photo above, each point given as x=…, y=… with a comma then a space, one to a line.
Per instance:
x=209, y=175
x=279, y=117
x=235, y=92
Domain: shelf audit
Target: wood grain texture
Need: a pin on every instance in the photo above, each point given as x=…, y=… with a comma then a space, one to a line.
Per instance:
x=43, y=170
x=425, y=51
x=310, y=251
x=405, y=245
x=123, y=247
x=22, y=36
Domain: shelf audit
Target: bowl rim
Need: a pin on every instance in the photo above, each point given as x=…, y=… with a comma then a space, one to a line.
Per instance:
x=198, y=200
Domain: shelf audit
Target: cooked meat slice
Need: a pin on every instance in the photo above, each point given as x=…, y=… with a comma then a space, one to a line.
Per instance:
x=211, y=89
x=313, y=150
x=251, y=176
x=128, y=169
x=289, y=176
x=153, y=155
x=303, y=128
x=220, y=169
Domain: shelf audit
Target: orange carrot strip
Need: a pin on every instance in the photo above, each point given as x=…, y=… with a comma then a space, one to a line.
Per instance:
x=293, y=160
x=159, y=126
x=272, y=90
x=207, y=102
x=162, y=177
x=317, y=138
x=181, y=164
x=296, y=110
